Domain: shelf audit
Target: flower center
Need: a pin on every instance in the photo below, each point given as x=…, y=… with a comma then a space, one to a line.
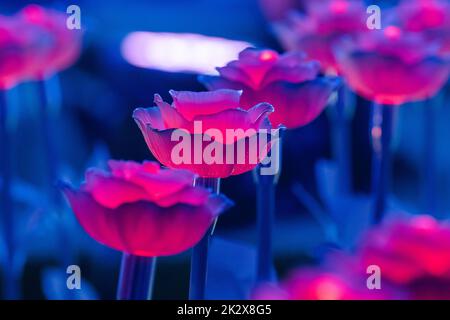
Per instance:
x=392, y=32
x=268, y=55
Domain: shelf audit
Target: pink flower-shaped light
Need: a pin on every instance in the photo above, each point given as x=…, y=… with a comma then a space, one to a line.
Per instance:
x=144, y=210
x=430, y=17
x=392, y=66
x=288, y=82
x=319, y=284
x=413, y=254
x=56, y=48
x=321, y=27
x=14, y=64
x=217, y=110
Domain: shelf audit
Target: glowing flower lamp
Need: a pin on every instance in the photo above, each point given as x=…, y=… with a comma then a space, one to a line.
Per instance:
x=321, y=27
x=321, y=284
x=292, y=85
x=431, y=19
x=413, y=254
x=390, y=67
x=145, y=212
x=428, y=17
x=289, y=82
x=211, y=134
x=58, y=47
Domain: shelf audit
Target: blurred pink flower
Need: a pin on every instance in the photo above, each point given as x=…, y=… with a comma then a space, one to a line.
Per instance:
x=144, y=210
x=413, y=254
x=321, y=27
x=14, y=63
x=288, y=82
x=53, y=47
x=320, y=284
x=392, y=66
x=429, y=17
x=216, y=110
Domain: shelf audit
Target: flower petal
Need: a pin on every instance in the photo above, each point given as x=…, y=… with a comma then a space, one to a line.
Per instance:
x=192, y=104
x=143, y=228
x=110, y=191
x=171, y=117
x=98, y=221
x=151, y=116
x=161, y=145
x=292, y=73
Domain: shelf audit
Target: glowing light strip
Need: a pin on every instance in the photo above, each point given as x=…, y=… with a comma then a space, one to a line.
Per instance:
x=180, y=52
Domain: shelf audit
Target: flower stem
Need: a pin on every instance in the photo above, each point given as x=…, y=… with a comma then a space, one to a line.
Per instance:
x=342, y=142
x=429, y=170
x=52, y=162
x=49, y=147
x=381, y=133
x=265, y=194
x=10, y=279
x=199, y=259
x=136, y=277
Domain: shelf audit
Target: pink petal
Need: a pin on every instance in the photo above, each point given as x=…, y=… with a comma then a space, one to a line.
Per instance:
x=389, y=80
x=110, y=191
x=142, y=228
x=171, y=117
x=149, y=116
x=295, y=104
x=125, y=169
x=233, y=72
x=98, y=221
x=161, y=146
x=163, y=184
x=195, y=196
x=294, y=74
x=192, y=104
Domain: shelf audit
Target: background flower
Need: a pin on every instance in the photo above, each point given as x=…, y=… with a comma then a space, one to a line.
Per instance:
x=431, y=18
x=323, y=25
x=320, y=284
x=392, y=66
x=144, y=210
x=289, y=82
x=413, y=254
x=53, y=47
x=14, y=64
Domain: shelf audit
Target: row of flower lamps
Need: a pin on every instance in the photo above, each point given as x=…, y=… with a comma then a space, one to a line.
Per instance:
x=35, y=45
x=146, y=211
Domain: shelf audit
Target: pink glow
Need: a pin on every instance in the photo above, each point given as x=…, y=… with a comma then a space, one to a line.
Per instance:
x=339, y=6
x=179, y=52
x=410, y=251
x=321, y=27
x=393, y=32
x=268, y=55
x=320, y=284
x=328, y=289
